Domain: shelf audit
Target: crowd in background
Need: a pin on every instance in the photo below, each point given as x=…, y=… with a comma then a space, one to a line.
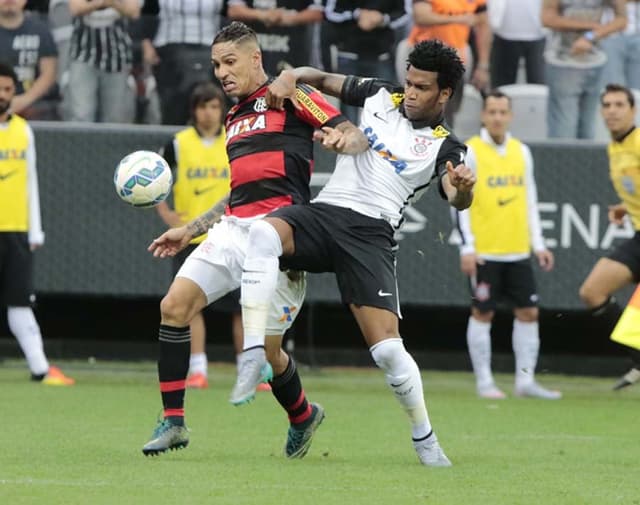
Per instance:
x=136, y=61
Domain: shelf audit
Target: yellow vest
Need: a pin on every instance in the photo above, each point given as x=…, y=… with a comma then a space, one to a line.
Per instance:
x=202, y=175
x=624, y=169
x=14, y=197
x=499, y=218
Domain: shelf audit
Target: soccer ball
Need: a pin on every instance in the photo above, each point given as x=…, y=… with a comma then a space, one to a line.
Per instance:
x=143, y=179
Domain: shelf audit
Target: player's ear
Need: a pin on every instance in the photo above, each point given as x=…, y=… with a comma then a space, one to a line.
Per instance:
x=445, y=95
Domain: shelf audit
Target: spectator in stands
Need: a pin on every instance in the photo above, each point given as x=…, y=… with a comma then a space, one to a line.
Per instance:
x=498, y=233
x=361, y=34
x=623, y=51
x=178, y=45
x=27, y=44
x=21, y=231
x=451, y=21
x=517, y=34
x=283, y=28
x=200, y=165
x=100, y=53
x=575, y=62
x=622, y=266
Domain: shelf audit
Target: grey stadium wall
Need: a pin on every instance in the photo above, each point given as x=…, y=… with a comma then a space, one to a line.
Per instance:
x=97, y=245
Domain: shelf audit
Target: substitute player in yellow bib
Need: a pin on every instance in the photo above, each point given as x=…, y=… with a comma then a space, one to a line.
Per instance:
x=498, y=233
x=20, y=232
x=622, y=266
x=200, y=163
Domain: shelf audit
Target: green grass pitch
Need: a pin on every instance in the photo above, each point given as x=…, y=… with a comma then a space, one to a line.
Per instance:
x=81, y=445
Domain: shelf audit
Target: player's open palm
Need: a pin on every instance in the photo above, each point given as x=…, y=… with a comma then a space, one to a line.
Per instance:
x=171, y=242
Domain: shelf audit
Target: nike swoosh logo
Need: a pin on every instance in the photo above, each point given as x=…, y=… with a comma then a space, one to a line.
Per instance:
x=199, y=192
x=398, y=385
x=505, y=201
x=382, y=293
x=7, y=175
x=378, y=116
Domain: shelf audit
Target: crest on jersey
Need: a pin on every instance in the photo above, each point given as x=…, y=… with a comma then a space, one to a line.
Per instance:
x=397, y=99
x=420, y=147
x=260, y=105
x=440, y=132
x=628, y=185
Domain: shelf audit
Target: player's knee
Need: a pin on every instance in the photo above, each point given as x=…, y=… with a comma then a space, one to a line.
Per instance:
x=263, y=240
x=591, y=297
x=527, y=314
x=388, y=353
x=483, y=317
x=174, y=311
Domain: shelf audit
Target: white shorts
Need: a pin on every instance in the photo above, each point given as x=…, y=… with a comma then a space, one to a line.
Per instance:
x=216, y=266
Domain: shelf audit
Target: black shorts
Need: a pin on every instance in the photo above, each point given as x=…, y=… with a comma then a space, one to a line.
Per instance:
x=359, y=249
x=628, y=253
x=228, y=303
x=16, y=269
x=501, y=280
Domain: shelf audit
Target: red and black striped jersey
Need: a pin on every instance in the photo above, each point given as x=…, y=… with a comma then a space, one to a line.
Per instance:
x=271, y=151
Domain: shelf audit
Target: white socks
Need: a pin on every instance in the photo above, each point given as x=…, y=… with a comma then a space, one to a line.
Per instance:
x=198, y=363
x=24, y=326
x=259, y=281
x=403, y=376
x=526, y=345
x=479, y=345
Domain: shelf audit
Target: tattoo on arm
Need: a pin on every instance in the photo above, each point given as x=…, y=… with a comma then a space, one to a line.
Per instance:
x=201, y=224
x=356, y=140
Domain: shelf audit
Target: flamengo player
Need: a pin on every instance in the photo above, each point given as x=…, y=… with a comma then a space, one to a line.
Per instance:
x=270, y=154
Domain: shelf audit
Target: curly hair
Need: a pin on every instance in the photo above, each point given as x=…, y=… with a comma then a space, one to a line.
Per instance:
x=435, y=56
x=236, y=32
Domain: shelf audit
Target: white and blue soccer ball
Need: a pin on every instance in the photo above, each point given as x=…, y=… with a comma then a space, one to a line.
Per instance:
x=143, y=179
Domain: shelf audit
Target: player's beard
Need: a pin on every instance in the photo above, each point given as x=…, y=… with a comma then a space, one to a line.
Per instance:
x=4, y=106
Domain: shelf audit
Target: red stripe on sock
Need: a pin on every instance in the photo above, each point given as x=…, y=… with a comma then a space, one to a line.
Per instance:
x=167, y=387
x=302, y=417
x=298, y=402
x=174, y=412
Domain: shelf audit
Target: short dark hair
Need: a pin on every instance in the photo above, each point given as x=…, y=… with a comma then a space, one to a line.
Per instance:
x=618, y=88
x=202, y=93
x=236, y=32
x=435, y=56
x=494, y=93
x=6, y=70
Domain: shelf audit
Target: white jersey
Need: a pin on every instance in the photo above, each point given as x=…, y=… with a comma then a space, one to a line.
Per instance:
x=403, y=158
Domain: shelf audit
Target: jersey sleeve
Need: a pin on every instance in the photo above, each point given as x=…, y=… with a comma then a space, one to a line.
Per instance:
x=48, y=47
x=451, y=150
x=315, y=109
x=355, y=90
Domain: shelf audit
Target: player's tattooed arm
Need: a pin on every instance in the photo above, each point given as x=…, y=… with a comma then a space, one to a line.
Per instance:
x=345, y=138
x=201, y=224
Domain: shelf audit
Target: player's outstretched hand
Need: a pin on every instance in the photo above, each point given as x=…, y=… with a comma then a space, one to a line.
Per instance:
x=281, y=89
x=461, y=177
x=171, y=242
